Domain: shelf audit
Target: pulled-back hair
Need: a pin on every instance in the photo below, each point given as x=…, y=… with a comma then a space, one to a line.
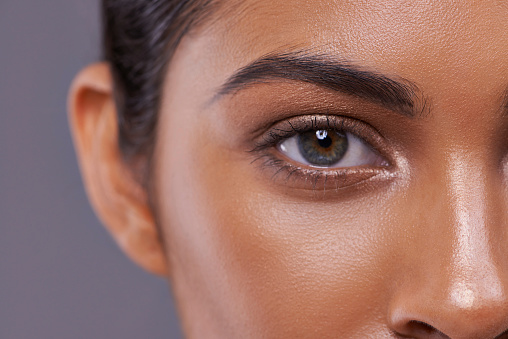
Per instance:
x=139, y=39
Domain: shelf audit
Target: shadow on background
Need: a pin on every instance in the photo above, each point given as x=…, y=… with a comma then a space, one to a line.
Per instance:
x=61, y=276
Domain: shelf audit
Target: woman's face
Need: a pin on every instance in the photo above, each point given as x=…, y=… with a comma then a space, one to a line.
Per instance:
x=338, y=169
x=273, y=232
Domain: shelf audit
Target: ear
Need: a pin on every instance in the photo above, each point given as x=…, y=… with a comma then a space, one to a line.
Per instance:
x=117, y=197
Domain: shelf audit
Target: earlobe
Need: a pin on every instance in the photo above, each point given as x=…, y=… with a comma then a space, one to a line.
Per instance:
x=117, y=197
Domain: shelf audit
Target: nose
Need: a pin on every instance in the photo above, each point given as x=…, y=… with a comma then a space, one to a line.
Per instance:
x=455, y=280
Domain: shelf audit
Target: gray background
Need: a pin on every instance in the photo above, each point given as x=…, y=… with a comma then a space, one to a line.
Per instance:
x=61, y=276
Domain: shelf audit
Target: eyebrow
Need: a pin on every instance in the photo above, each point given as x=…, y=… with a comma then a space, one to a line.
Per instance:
x=325, y=71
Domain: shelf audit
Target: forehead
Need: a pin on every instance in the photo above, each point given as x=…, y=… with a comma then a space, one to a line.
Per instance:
x=357, y=26
x=422, y=40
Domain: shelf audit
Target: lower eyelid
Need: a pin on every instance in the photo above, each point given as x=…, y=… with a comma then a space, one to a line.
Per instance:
x=288, y=175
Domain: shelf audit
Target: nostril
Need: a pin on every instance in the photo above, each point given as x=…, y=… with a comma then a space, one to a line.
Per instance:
x=420, y=329
x=503, y=335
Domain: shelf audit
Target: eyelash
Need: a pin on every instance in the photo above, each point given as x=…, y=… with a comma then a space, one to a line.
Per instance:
x=268, y=157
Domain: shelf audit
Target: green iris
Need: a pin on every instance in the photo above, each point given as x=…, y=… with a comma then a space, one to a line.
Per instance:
x=322, y=147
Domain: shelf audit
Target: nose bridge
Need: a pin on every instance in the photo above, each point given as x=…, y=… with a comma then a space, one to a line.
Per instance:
x=475, y=277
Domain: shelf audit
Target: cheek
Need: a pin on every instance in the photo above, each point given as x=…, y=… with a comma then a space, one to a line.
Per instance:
x=253, y=259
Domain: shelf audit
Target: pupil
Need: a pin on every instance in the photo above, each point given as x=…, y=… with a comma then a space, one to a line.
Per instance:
x=323, y=139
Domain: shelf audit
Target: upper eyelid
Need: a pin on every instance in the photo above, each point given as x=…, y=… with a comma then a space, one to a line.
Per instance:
x=301, y=124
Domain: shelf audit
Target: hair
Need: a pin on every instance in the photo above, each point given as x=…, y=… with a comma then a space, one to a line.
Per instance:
x=139, y=39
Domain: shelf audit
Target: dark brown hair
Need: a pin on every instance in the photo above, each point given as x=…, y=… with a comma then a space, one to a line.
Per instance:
x=139, y=39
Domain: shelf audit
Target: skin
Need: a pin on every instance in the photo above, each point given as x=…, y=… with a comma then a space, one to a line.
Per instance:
x=417, y=249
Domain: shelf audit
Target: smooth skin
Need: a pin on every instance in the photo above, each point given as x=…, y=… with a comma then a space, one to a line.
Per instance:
x=417, y=247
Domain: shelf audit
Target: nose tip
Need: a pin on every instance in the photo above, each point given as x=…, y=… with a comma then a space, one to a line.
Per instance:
x=429, y=316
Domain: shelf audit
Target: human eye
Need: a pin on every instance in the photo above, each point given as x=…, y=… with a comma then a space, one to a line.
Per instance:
x=328, y=148
x=322, y=151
